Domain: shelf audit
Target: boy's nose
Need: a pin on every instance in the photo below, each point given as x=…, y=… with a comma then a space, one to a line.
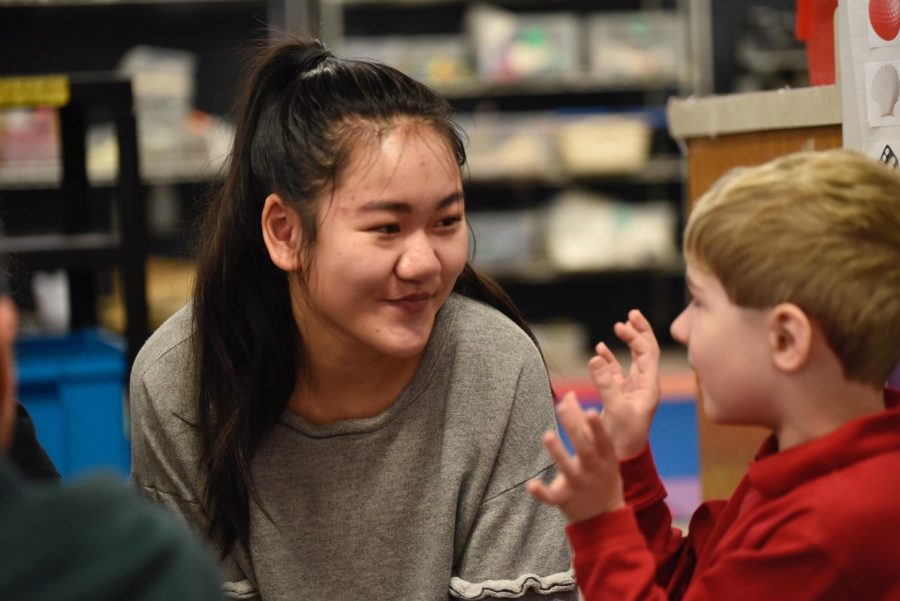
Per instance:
x=679, y=327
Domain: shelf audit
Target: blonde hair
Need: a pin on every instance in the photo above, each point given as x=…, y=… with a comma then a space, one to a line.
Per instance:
x=817, y=229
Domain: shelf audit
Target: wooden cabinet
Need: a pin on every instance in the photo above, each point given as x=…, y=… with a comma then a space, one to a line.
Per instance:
x=721, y=133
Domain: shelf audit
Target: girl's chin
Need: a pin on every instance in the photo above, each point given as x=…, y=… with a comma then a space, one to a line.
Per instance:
x=405, y=351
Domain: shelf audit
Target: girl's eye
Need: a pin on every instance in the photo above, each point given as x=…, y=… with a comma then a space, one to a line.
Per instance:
x=387, y=228
x=449, y=221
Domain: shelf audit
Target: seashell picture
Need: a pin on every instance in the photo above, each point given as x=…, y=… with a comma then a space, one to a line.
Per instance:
x=883, y=92
x=886, y=151
x=884, y=23
x=888, y=156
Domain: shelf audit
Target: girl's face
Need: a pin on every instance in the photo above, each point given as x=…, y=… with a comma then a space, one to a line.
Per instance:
x=391, y=242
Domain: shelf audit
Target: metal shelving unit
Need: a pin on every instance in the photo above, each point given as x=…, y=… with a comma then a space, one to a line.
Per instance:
x=79, y=248
x=327, y=20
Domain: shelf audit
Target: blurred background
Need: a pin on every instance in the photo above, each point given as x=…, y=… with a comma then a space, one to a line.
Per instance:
x=576, y=192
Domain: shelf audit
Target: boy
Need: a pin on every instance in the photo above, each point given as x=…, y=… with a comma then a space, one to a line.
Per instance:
x=794, y=325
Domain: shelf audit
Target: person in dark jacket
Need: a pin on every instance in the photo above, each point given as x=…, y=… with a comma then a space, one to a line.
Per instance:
x=97, y=539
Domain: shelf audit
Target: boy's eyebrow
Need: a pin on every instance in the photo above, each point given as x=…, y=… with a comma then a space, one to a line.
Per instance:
x=399, y=206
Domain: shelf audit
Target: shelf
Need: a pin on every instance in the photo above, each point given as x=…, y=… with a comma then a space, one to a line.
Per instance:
x=404, y=3
x=545, y=274
x=60, y=251
x=78, y=247
x=657, y=170
x=542, y=5
x=48, y=173
x=598, y=299
x=61, y=3
x=579, y=83
x=43, y=174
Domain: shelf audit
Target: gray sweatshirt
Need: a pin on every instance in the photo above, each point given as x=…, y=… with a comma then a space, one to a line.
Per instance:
x=423, y=501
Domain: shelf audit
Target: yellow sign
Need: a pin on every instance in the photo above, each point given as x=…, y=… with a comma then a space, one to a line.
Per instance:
x=47, y=90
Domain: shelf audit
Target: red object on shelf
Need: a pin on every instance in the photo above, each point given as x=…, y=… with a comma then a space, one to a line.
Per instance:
x=815, y=27
x=884, y=15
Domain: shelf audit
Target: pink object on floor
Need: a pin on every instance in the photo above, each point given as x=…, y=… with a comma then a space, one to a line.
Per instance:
x=684, y=495
x=677, y=386
x=894, y=379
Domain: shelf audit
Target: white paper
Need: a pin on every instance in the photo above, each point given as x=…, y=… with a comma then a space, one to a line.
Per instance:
x=882, y=92
x=866, y=127
x=885, y=29
x=888, y=152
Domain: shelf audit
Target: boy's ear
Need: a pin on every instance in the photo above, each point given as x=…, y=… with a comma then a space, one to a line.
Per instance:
x=790, y=337
x=281, y=232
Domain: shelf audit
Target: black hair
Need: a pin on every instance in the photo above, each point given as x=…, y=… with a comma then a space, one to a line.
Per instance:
x=295, y=125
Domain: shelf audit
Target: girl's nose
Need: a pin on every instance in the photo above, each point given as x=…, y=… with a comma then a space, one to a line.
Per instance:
x=419, y=260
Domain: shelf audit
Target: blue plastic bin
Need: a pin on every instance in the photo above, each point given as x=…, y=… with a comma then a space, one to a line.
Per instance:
x=72, y=385
x=673, y=437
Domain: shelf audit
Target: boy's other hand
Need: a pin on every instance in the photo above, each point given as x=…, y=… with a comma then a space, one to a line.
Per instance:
x=629, y=401
x=588, y=482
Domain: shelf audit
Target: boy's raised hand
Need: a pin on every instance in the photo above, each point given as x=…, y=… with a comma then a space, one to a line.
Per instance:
x=589, y=482
x=629, y=401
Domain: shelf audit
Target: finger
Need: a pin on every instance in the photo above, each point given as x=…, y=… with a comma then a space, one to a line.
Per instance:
x=642, y=344
x=643, y=327
x=639, y=331
x=640, y=323
x=602, y=441
x=604, y=371
x=572, y=418
x=558, y=453
x=647, y=362
x=627, y=333
x=607, y=379
x=541, y=492
x=588, y=456
x=609, y=359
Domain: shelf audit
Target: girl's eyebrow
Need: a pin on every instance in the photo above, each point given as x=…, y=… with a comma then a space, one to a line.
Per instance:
x=399, y=206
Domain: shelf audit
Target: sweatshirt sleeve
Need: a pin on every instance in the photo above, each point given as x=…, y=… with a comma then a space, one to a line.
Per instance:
x=635, y=553
x=517, y=547
x=612, y=560
x=165, y=447
x=645, y=494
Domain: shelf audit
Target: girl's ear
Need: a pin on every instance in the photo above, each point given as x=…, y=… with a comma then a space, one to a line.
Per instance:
x=282, y=233
x=790, y=337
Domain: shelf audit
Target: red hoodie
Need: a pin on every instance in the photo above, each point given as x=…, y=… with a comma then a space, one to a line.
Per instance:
x=817, y=521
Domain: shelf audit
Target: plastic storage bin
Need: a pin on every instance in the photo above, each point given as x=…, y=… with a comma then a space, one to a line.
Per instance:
x=72, y=385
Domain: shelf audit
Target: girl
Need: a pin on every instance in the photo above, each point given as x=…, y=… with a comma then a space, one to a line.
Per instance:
x=341, y=408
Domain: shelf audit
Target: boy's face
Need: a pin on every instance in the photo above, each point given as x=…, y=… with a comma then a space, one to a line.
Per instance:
x=728, y=349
